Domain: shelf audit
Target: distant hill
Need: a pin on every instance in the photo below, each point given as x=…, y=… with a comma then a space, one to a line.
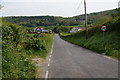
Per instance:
x=94, y=18
x=109, y=45
x=30, y=21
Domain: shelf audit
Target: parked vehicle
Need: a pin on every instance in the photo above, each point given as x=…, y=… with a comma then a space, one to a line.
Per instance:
x=45, y=31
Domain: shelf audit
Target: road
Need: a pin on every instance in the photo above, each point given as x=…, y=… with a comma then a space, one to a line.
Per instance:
x=71, y=61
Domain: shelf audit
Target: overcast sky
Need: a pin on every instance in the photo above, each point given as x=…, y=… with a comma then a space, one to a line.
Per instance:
x=58, y=0
x=65, y=8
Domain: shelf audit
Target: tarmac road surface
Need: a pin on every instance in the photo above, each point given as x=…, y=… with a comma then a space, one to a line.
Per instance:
x=71, y=61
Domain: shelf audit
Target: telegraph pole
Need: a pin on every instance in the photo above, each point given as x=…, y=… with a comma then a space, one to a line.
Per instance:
x=85, y=20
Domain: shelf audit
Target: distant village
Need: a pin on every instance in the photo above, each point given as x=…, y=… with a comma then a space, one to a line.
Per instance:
x=42, y=30
x=76, y=29
x=73, y=30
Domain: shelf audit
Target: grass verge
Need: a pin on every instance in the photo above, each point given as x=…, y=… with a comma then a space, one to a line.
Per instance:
x=109, y=46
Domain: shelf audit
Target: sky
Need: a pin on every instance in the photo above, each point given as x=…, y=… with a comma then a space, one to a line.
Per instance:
x=57, y=0
x=64, y=8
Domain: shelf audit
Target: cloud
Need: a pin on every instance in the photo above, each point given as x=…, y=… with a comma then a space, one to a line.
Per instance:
x=38, y=0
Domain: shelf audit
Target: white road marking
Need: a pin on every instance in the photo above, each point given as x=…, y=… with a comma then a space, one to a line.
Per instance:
x=48, y=64
x=46, y=75
x=50, y=56
x=110, y=58
x=107, y=57
x=49, y=59
x=52, y=47
x=47, y=72
x=51, y=52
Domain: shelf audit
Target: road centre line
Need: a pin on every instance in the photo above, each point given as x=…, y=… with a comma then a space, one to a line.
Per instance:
x=46, y=75
x=48, y=64
x=52, y=47
x=47, y=72
x=50, y=56
x=49, y=60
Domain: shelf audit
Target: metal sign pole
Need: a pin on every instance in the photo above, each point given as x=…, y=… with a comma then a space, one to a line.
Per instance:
x=103, y=28
x=38, y=36
x=103, y=35
x=85, y=19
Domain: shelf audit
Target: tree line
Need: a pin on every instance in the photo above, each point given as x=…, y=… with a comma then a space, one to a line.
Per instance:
x=33, y=21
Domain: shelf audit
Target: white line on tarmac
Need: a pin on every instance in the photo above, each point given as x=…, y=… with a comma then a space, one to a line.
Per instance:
x=51, y=52
x=47, y=72
x=110, y=58
x=48, y=64
x=46, y=75
x=49, y=59
x=52, y=47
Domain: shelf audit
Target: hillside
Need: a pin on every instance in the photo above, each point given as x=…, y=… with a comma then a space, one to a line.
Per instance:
x=96, y=18
x=31, y=21
x=109, y=46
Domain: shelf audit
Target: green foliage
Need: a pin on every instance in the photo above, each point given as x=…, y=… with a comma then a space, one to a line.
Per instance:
x=63, y=29
x=97, y=18
x=34, y=21
x=18, y=50
x=35, y=44
x=48, y=22
x=39, y=44
x=15, y=62
x=117, y=14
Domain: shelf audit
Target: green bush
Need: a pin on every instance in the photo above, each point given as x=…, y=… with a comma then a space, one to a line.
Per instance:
x=35, y=44
x=39, y=44
x=16, y=63
x=18, y=50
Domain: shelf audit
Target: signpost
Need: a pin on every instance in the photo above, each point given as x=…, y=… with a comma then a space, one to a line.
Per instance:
x=104, y=28
x=38, y=31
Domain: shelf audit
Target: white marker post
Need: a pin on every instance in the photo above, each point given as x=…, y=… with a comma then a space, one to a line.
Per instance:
x=103, y=28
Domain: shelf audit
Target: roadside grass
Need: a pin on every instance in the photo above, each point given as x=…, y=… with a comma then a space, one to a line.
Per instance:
x=110, y=46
